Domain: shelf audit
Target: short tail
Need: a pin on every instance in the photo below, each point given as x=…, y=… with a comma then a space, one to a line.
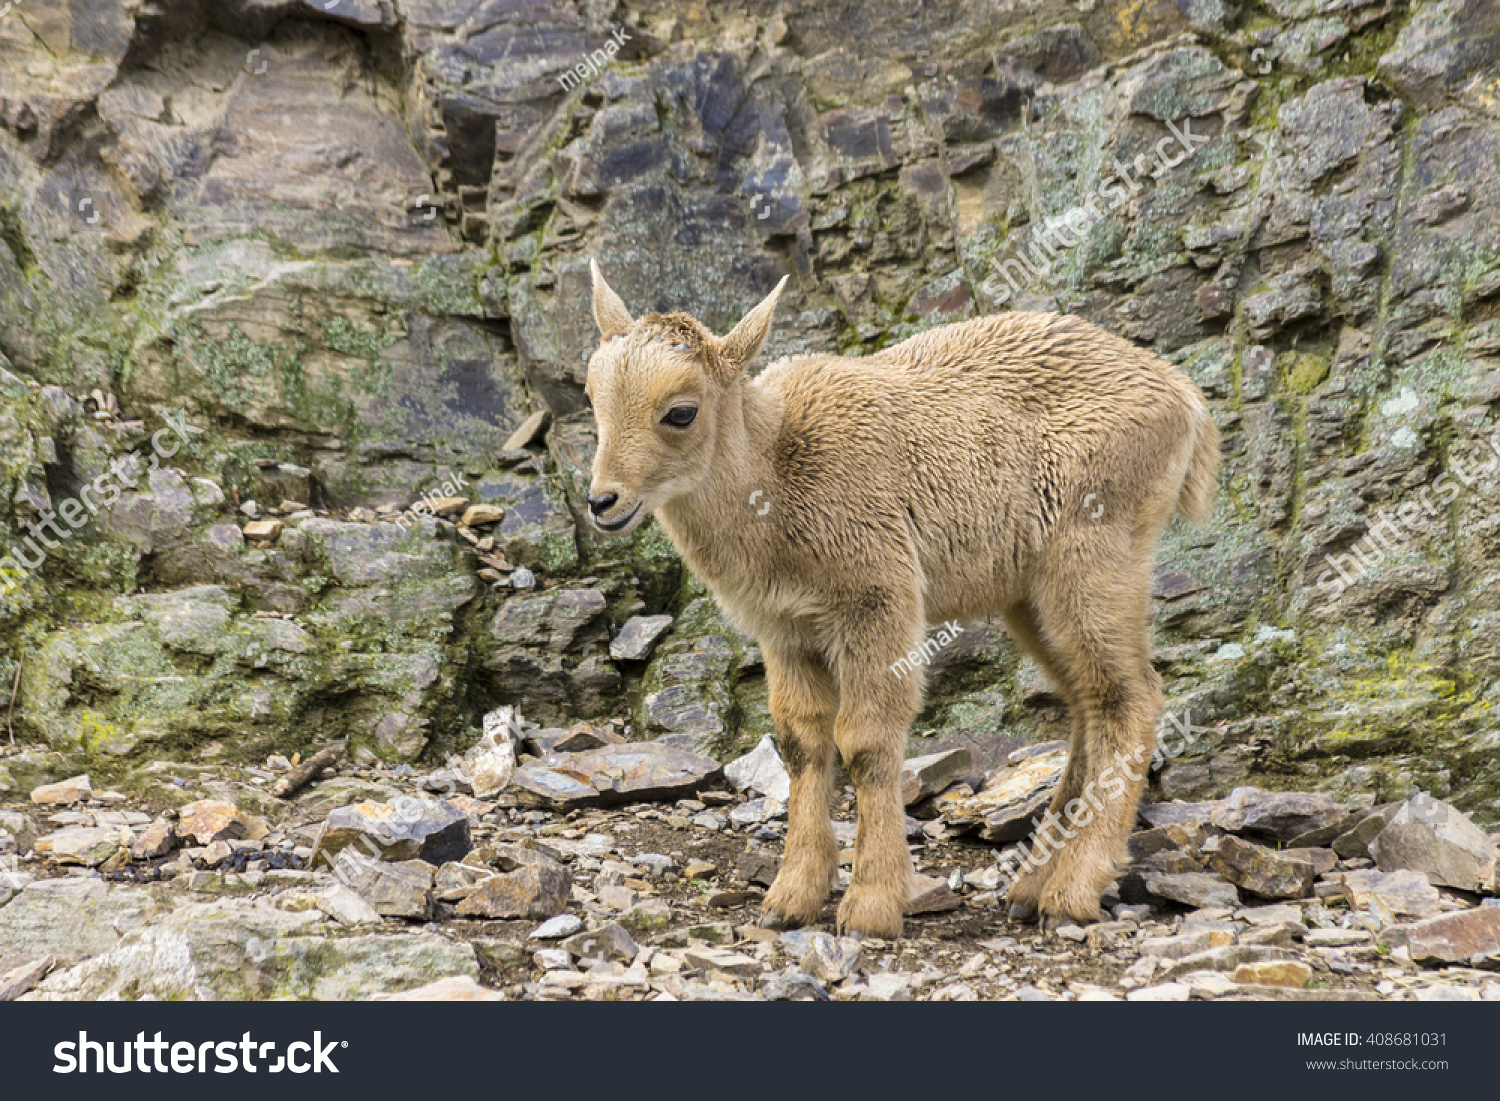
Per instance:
x=1195, y=501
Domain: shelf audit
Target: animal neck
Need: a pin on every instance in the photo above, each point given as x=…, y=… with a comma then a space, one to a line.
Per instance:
x=716, y=526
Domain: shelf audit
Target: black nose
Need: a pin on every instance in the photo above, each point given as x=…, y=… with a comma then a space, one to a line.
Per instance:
x=600, y=505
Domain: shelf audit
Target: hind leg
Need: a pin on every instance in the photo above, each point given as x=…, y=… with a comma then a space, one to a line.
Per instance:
x=1026, y=892
x=803, y=704
x=1098, y=627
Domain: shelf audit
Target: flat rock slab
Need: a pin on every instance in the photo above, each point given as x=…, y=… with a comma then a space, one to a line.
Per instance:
x=71, y=919
x=630, y=772
x=86, y=845
x=1470, y=938
x=1196, y=889
x=63, y=792
x=1002, y=810
x=235, y=949
x=404, y=829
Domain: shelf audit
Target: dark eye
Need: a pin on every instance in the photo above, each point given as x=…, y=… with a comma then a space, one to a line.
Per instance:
x=680, y=416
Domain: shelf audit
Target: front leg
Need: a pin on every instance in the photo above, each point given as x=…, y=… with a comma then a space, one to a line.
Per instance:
x=803, y=704
x=878, y=702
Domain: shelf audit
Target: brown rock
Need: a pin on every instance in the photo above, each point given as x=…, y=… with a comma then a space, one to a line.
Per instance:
x=931, y=895
x=1400, y=894
x=1261, y=871
x=477, y=515
x=1470, y=938
x=1293, y=973
x=530, y=429
x=536, y=891
x=210, y=820
x=632, y=771
x=447, y=506
x=63, y=792
x=264, y=531
x=158, y=839
x=395, y=890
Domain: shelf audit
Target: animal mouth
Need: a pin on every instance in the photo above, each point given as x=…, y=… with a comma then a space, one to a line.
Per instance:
x=620, y=524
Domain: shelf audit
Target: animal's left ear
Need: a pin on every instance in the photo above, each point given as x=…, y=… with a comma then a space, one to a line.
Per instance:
x=741, y=345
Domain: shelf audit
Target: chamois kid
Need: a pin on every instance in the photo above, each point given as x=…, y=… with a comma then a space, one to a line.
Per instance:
x=1023, y=464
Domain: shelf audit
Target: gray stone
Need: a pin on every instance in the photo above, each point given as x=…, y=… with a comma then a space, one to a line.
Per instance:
x=615, y=774
x=1196, y=889
x=1429, y=836
x=933, y=773
x=401, y=889
x=406, y=829
x=605, y=944
x=794, y=986
x=1276, y=815
x=830, y=959
x=346, y=906
x=563, y=925
x=638, y=637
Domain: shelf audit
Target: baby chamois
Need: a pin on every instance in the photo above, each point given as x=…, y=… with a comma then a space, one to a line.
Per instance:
x=1023, y=464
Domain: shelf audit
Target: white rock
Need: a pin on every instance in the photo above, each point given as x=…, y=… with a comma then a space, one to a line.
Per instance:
x=563, y=925
x=1165, y=992
x=761, y=771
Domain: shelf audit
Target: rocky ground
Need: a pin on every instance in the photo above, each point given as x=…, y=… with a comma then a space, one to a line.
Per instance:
x=587, y=867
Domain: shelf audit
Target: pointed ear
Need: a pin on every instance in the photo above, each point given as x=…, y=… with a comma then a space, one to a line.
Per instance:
x=741, y=345
x=610, y=313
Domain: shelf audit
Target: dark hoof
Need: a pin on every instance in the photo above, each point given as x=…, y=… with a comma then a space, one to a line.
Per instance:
x=771, y=919
x=1021, y=911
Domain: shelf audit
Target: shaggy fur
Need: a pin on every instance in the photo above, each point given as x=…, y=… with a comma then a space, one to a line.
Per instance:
x=952, y=476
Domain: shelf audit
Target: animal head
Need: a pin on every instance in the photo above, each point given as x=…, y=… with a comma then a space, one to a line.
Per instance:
x=658, y=388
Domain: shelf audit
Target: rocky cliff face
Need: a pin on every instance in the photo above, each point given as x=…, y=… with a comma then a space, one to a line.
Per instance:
x=344, y=245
